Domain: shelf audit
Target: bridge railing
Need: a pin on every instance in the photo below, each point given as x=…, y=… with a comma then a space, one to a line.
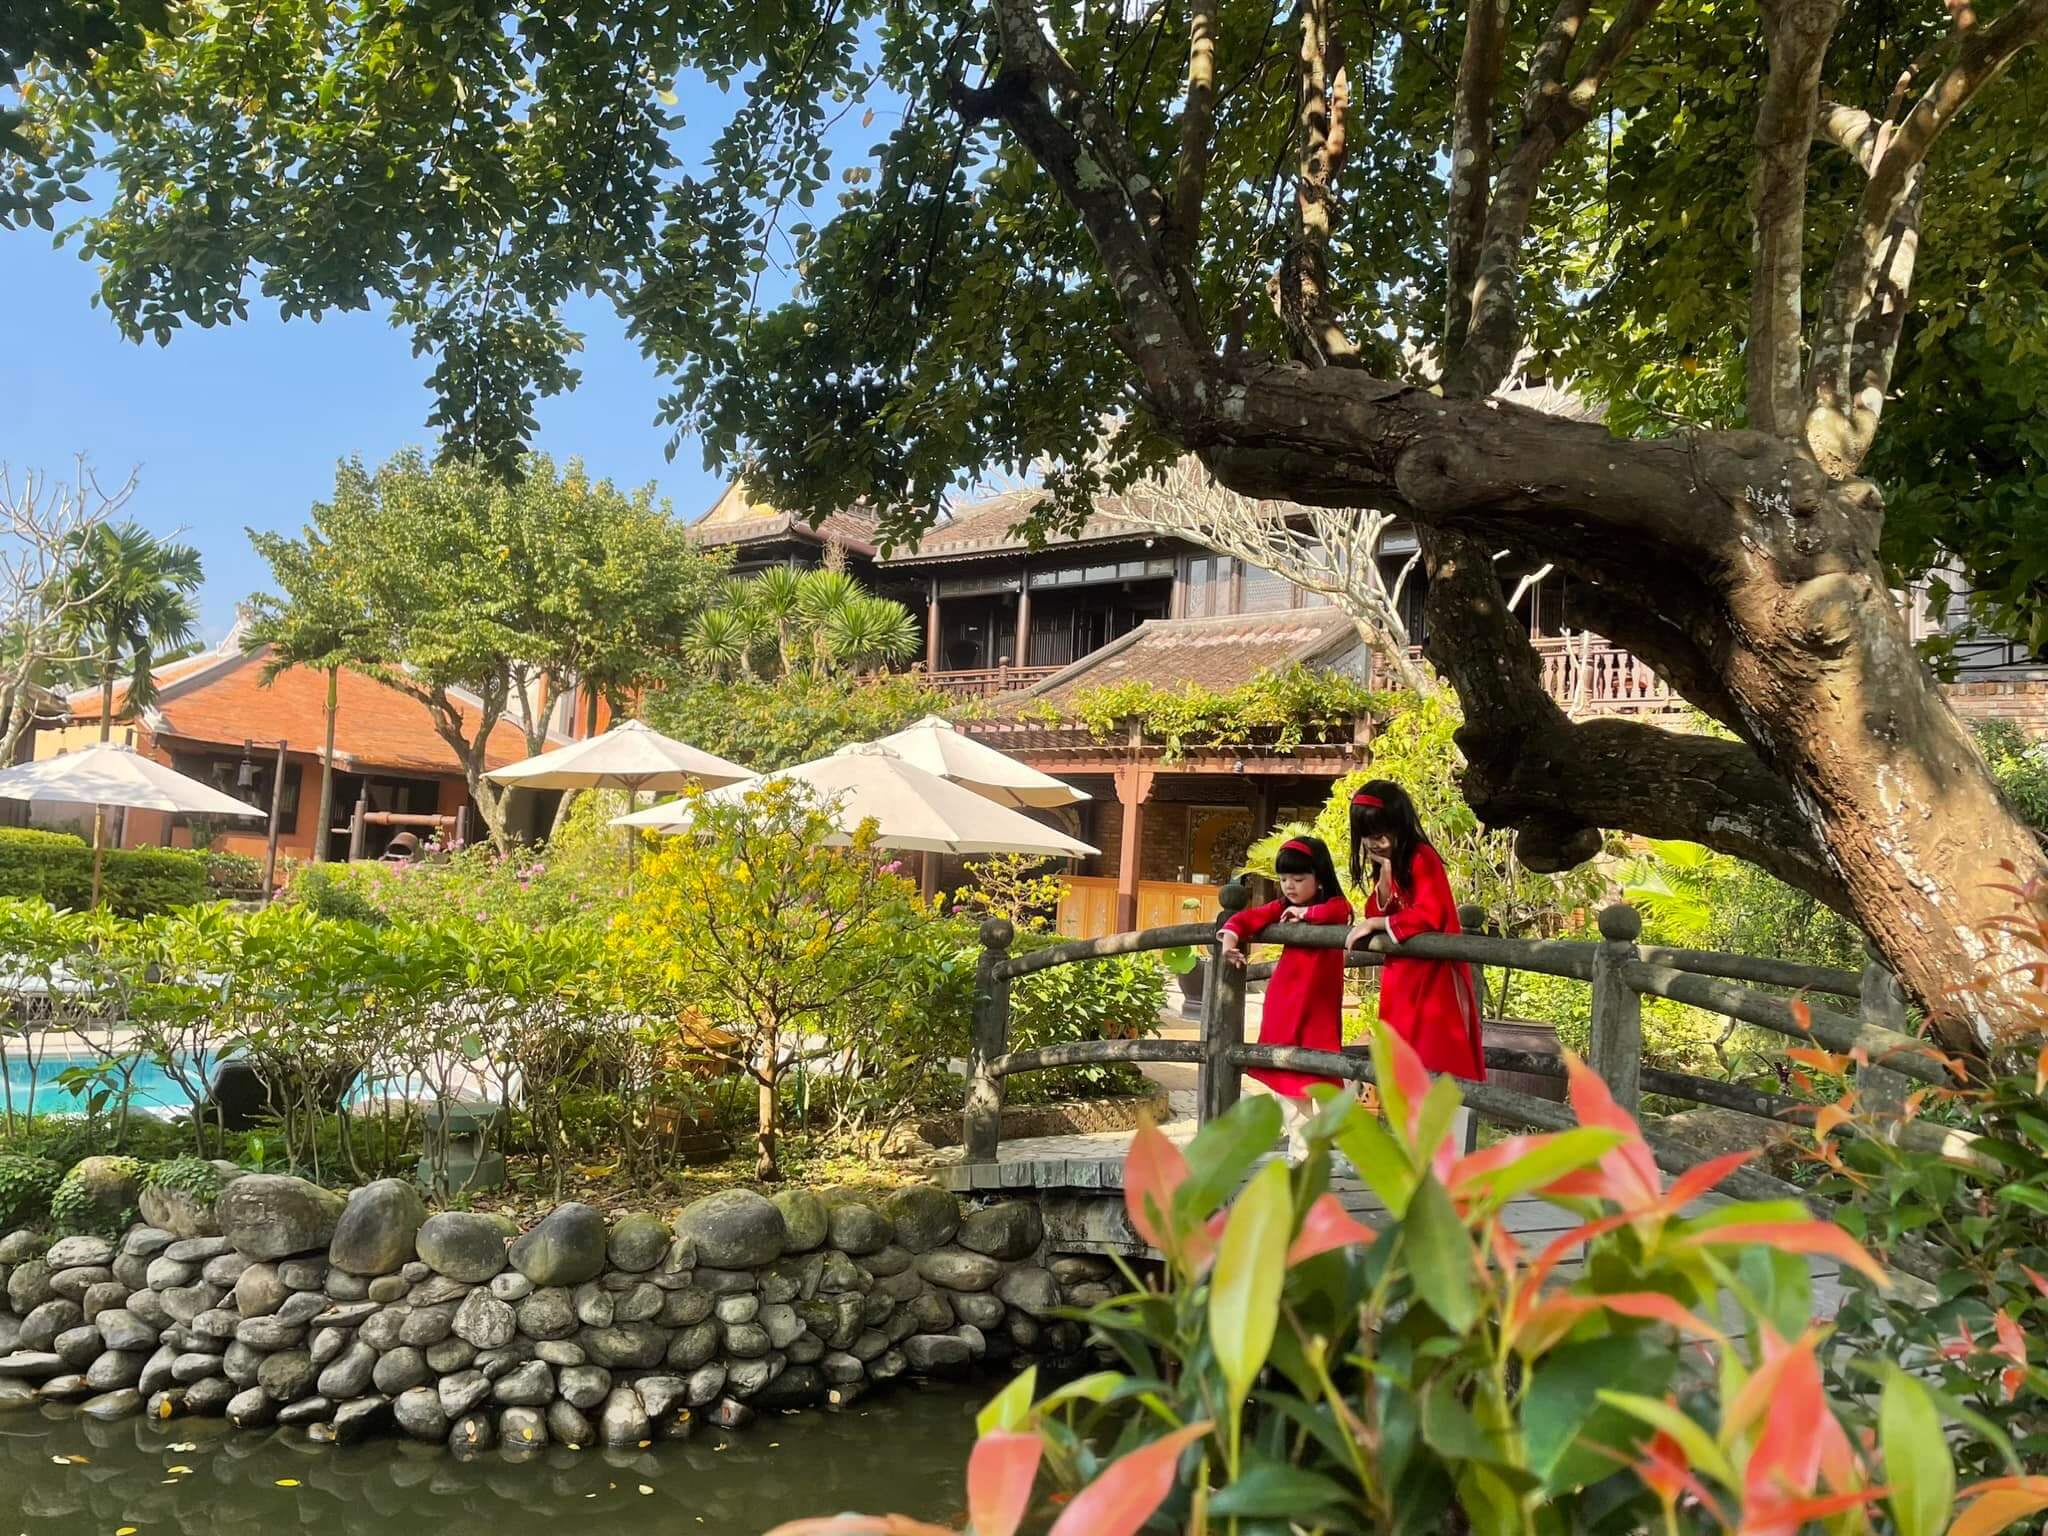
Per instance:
x=1617, y=968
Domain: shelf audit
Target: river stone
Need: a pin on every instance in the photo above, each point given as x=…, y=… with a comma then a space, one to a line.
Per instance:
x=472, y=1435
x=130, y=1269
x=892, y=1260
x=258, y=1290
x=240, y=1364
x=878, y=1304
x=450, y=1356
x=594, y=1306
x=638, y=1243
x=725, y=1282
x=115, y=1369
x=382, y=1330
x=627, y=1346
x=522, y=1430
x=549, y=1313
x=28, y=1286
x=744, y=1378
x=123, y=1403
x=799, y=1386
x=108, y=1296
x=803, y=1219
x=327, y=1345
x=935, y=1352
x=930, y=1313
x=198, y=1250
x=268, y=1333
x=624, y=1421
x=642, y=1304
x=511, y=1287
x=1031, y=1290
x=730, y=1413
x=349, y=1374
x=841, y=1369
x=307, y=1273
x=560, y=1352
x=122, y=1329
x=273, y=1216
x=40, y=1328
x=10, y=1333
x=733, y=1229
x=192, y=1367
x=584, y=1385
x=749, y=1341
x=226, y=1270
x=738, y=1309
x=900, y=1326
x=79, y=1253
x=435, y=1289
x=979, y=1309
x=21, y=1245
x=424, y=1327
x=705, y=1385
x=400, y=1371
x=212, y=1330
x=302, y=1307
x=681, y=1309
x=465, y=1245
x=1011, y=1229
x=485, y=1321
x=307, y=1410
x=109, y=1186
x=72, y=1284
x=386, y=1289
x=360, y=1418
x=566, y=1248
x=958, y=1270
x=569, y=1426
x=463, y=1391
x=496, y=1362
x=1023, y=1331
x=662, y=1395
x=857, y=1228
x=835, y=1319
x=177, y=1212
x=286, y=1376
x=975, y=1340
x=782, y=1325
x=209, y=1396
x=525, y=1386
x=78, y=1347
x=186, y=1302
x=693, y=1346
x=35, y=1364
x=419, y=1413
x=837, y=1274
x=925, y=1216
x=344, y=1287
x=251, y=1408
x=805, y=1349
x=377, y=1228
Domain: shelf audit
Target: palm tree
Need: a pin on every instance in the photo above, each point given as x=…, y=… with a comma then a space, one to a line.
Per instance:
x=822, y=594
x=720, y=641
x=870, y=632
x=776, y=595
x=133, y=604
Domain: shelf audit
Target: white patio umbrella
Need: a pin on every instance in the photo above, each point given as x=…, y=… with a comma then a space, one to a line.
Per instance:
x=631, y=756
x=913, y=811
x=110, y=774
x=936, y=746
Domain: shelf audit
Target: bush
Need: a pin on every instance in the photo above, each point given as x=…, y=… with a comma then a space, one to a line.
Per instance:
x=135, y=881
x=193, y=1176
x=332, y=892
x=773, y=725
x=233, y=875
x=26, y=1184
x=2020, y=766
x=1119, y=998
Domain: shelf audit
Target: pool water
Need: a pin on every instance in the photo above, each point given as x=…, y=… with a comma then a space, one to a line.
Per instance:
x=33, y=1089
x=900, y=1452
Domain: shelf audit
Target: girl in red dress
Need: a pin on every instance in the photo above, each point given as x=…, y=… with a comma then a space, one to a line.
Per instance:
x=1305, y=1000
x=1431, y=1004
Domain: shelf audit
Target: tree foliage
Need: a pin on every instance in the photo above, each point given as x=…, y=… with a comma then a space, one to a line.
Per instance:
x=130, y=602
x=769, y=725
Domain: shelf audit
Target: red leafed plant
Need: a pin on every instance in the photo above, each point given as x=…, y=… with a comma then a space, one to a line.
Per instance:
x=1290, y=1368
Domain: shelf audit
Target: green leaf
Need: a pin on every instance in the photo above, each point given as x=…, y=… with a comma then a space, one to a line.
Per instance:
x=1917, y=1463
x=1450, y=1430
x=1244, y=1287
x=1222, y=1153
x=1567, y=1430
x=1379, y=1160
x=1181, y=959
x=1440, y=1256
x=1010, y=1408
x=1699, y=1447
x=1273, y=1490
x=1550, y=1159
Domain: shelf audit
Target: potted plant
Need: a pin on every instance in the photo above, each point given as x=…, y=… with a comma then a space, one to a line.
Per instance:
x=1195, y=980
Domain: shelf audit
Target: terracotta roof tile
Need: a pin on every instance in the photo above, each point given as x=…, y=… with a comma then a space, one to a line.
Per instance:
x=1216, y=654
x=985, y=528
x=736, y=518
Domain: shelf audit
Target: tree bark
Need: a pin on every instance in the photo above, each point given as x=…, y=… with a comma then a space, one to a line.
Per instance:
x=324, y=827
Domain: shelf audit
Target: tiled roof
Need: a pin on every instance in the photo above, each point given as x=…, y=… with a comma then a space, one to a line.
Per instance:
x=985, y=528
x=736, y=518
x=221, y=698
x=1217, y=654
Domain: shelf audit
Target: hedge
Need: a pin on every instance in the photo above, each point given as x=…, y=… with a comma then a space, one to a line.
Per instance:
x=137, y=881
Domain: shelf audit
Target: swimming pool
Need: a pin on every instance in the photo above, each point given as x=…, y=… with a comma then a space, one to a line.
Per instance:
x=33, y=1087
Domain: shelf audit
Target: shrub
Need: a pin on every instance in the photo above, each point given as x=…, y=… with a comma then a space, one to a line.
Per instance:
x=57, y=867
x=26, y=1184
x=192, y=1176
x=236, y=875
x=769, y=725
x=333, y=893
x=1119, y=998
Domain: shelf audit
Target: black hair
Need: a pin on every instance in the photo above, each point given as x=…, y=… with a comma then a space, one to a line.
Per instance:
x=1311, y=857
x=1381, y=808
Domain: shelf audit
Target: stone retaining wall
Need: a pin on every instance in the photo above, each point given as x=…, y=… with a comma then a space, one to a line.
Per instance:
x=286, y=1304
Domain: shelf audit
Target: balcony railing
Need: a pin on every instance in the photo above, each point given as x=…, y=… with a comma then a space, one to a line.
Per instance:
x=1589, y=676
x=987, y=682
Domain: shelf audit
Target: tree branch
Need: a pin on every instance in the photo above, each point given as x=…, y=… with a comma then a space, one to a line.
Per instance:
x=1197, y=126
x=1851, y=359
x=1301, y=289
x=1479, y=67
x=1797, y=32
x=1850, y=129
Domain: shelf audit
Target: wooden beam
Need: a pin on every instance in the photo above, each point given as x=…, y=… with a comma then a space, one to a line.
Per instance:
x=1133, y=789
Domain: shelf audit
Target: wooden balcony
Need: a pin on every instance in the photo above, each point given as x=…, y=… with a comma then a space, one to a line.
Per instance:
x=987, y=682
x=1590, y=676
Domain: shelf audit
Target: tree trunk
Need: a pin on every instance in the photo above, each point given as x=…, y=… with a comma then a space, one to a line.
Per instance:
x=765, y=1167
x=323, y=828
x=99, y=812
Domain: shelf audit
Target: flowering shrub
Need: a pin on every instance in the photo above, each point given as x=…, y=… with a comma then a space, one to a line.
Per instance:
x=1295, y=1370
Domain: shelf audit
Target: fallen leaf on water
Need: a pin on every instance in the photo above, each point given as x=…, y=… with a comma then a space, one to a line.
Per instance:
x=179, y=1471
x=287, y=1482
x=183, y=1445
x=124, y=1530
x=645, y=1489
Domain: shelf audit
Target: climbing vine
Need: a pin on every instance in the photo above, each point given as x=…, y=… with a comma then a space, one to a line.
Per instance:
x=1281, y=709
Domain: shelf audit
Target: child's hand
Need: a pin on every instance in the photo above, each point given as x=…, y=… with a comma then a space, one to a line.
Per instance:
x=1233, y=951
x=1365, y=930
x=1294, y=915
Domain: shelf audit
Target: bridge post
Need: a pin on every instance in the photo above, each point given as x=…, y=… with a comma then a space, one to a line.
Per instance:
x=982, y=1130
x=1222, y=1017
x=1617, y=1040
x=1882, y=1002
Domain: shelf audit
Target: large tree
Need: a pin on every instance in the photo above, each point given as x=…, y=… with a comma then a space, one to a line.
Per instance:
x=1307, y=246
x=486, y=599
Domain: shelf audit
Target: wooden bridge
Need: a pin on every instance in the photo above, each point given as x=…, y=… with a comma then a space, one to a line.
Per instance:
x=1078, y=1179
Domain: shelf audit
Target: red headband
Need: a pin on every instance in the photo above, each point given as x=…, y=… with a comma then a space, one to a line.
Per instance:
x=1362, y=798
x=1296, y=845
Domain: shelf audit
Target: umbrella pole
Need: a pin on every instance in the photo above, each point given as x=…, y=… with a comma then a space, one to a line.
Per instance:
x=928, y=875
x=99, y=849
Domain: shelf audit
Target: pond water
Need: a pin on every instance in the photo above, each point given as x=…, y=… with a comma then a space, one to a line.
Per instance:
x=899, y=1452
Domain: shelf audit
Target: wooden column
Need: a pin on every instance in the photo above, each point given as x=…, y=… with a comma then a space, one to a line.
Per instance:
x=1616, y=1047
x=1222, y=1018
x=931, y=625
x=1133, y=789
x=1021, y=656
x=981, y=1131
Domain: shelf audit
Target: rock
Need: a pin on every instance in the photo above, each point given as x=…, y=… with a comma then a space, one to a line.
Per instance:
x=560, y=1352
x=841, y=1369
x=798, y=1387
x=251, y=1409
x=177, y=1212
x=925, y=1216
x=259, y=1292
x=115, y=1369
x=625, y=1346
x=79, y=1346
x=569, y=1426
x=975, y=1340
x=424, y=1327
x=584, y=1385
x=377, y=1228
x=345, y=1287
x=123, y=1403
x=79, y=1253
x=240, y=1364
x=107, y=1296
x=705, y=1385
x=360, y=1418
x=958, y=1270
x=522, y=1429
x=463, y=1391
x=511, y=1287
x=979, y=1309
x=744, y=1378
x=738, y=1309
x=805, y=1349
x=1023, y=1331
x=304, y=1274
x=803, y=1219
x=594, y=1306
x=33, y=1364
x=725, y=1282
x=328, y=1343
x=930, y=1313
x=839, y=1274
x=381, y=1329
x=624, y=1421
x=40, y=1328
x=122, y=1329
x=436, y=1290
x=782, y=1325
x=472, y=1435
x=683, y=1308
x=187, y=1369
x=485, y=1321
x=835, y=1319
x=28, y=1286
x=857, y=1228
x=642, y=1304
x=693, y=1346
x=273, y=1216
x=892, y=1260
x=186, y=1302
x=566, y=1248
x=419, y=1413
x=212, y=1330
x=450, y=1356
x=496, y=1362
x=307, y=1410
x=1011, y=1229
x=638, y=1243
x=386, y=1289
x=67, y=1388
x=109, y=1187
x=549, y=1313
x=400, y=1371
x=1030, y=1290
x=349, y=1374
x=269, y=1333
x=350, y=1314
x=72, y=1284
x=301, y=1307
x=525, y=1386
x=198, y=1250
x=286, y=1376
x=662, y=1395
x=934, y=1353
x=21, y=1245
x=731, y=1414
x=209, y=1396
x=226, y=1270
x=749, y=1341
x=733, y=1229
